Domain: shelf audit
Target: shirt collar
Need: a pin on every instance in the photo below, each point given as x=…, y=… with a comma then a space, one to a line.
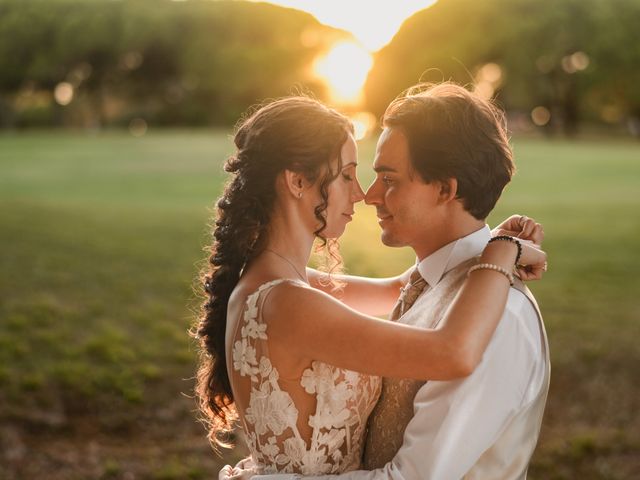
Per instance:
x=433, y=267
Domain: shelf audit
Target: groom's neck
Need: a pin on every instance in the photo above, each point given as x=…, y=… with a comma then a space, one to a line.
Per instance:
x=449, y=231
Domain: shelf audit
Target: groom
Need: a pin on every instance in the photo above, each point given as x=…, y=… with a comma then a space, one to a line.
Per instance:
x=441, y=164
x=485, y=425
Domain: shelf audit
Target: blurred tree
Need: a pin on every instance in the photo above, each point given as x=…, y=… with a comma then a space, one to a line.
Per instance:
x=576, y=58
x=97, y=62
x=191, y=62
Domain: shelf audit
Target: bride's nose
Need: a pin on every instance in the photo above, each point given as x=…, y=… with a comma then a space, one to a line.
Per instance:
x=357, y=194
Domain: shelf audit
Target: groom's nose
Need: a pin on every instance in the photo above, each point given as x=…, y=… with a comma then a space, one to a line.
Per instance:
x=374, y=194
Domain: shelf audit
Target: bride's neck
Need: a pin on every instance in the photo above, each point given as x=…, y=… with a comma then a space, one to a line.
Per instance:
x=289, y=238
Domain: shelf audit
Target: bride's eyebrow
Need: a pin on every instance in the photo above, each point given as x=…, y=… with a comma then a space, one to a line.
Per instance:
x=344, y=167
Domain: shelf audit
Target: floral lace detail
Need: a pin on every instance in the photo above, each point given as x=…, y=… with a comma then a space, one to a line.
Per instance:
x=344, y=400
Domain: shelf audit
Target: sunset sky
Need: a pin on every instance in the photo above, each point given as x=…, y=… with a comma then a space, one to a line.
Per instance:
x=373, y=23
x=345, y=65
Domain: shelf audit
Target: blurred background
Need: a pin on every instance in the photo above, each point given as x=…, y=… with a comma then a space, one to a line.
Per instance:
x=115, y=120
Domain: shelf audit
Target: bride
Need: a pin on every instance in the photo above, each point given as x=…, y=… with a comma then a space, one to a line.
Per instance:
x=298, y=367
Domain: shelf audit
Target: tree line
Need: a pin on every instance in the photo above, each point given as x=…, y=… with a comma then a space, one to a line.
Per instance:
x=100, y=63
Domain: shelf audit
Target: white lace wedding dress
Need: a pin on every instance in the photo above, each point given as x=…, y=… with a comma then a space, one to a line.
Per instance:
x=311, y=425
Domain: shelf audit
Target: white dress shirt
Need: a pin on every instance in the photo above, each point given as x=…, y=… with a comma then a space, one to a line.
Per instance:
x=454, y=422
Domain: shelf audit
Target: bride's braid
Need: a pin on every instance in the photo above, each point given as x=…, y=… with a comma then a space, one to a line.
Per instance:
x=294, y=133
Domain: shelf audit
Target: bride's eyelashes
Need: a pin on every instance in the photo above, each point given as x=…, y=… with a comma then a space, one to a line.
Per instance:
x=348, y=174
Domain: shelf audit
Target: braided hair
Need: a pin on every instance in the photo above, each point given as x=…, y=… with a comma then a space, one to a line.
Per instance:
x=294, y=133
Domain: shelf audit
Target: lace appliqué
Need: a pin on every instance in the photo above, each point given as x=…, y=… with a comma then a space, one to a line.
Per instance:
x=344, y=401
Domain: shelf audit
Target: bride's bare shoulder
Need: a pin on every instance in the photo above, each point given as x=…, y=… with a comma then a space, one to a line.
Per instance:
x=293, y=299
x=244, y=288
x=248, y=286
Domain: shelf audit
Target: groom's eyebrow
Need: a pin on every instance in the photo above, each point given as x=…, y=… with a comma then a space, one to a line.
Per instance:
x=383, y=168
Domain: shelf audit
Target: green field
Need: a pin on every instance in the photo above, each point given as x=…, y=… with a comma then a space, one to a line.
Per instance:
x=102, y=236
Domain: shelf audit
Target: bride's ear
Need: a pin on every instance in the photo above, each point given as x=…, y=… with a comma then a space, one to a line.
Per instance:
x=295, y=183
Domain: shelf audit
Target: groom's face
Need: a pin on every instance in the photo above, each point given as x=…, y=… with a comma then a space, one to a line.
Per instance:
x=407, y=207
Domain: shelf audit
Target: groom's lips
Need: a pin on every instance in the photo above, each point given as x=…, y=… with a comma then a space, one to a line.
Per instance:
x=384, y=217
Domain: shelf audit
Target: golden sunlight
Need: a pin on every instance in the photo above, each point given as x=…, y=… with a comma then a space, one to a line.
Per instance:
x=344, y=68
x=372, y=23
x=363, y=124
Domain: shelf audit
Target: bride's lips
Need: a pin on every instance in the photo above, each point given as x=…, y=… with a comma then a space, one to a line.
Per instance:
x=349, y=215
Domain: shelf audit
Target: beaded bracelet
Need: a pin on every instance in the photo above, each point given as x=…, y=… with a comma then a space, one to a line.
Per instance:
x=491, y=266
x=510, y=239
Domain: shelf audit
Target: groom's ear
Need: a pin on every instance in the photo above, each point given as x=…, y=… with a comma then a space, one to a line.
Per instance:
x=448, y=190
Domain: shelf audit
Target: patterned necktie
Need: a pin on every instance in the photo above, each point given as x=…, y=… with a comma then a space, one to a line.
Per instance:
x=409, y=294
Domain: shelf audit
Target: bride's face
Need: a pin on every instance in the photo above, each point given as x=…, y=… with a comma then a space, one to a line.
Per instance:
x=343, y=192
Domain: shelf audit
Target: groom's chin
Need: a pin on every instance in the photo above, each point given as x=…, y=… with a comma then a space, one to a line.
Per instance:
x=389, y=240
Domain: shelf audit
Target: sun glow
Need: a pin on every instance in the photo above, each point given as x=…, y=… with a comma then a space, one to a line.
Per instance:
x=363, y=124
x=344, y=68
x=372, y=23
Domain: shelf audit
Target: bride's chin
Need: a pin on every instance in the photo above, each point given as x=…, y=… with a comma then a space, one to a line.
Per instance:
x=333, y=234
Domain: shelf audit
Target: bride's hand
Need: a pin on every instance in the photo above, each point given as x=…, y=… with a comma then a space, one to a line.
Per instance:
x=521, y=227
x=532, y=263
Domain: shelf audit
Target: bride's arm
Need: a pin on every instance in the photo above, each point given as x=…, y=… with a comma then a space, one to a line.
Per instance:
x=377, y=296
x=313, y=325
x=373, y=296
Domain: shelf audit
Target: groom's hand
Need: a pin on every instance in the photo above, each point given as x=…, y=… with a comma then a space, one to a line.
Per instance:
x=226, y=473
x=521, y=227
x=232, y=473
x=244, y=470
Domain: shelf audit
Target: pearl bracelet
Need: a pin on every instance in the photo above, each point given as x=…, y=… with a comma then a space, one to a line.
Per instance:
x=491, y=266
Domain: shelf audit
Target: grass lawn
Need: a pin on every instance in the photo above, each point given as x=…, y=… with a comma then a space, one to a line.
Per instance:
x=101, y=240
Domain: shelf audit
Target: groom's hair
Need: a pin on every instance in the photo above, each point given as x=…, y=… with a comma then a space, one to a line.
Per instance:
x=453, y=133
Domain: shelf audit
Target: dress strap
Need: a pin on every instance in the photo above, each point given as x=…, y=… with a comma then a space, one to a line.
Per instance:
x=254, y=297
